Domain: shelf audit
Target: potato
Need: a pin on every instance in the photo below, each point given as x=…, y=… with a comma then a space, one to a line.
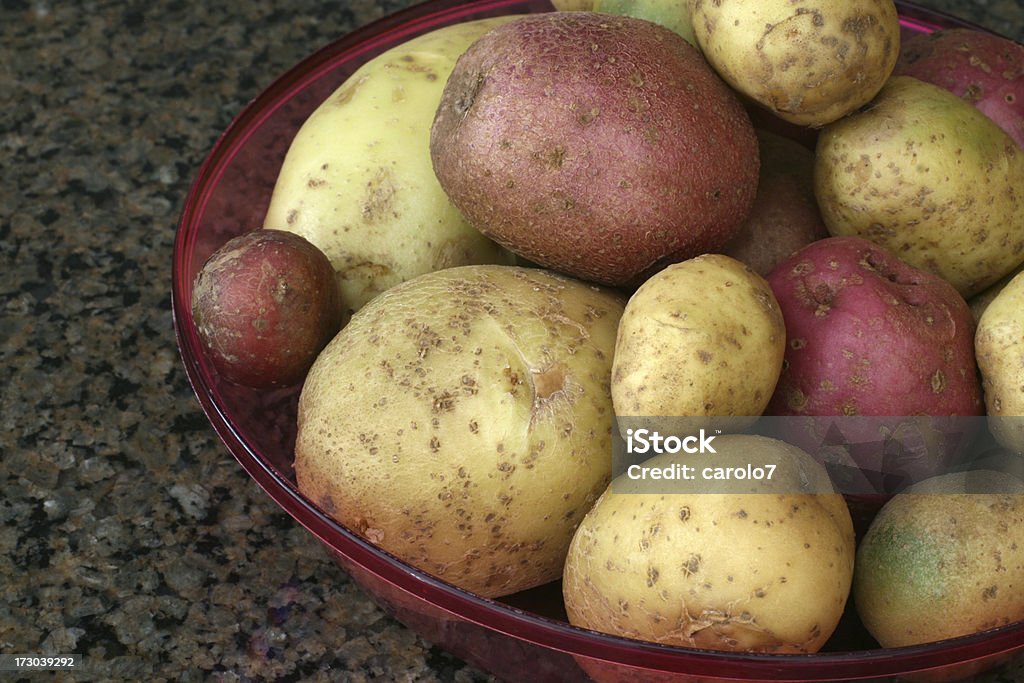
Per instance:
x=981, y=68
x=943, y=560
x=928, y=177
x=810, y=63
x=595, y=145
x=673, y=14
x=462, y=422
x=785, y=214
x=357, y=179
x=264, y=304
x=869, y=335
x=999, y=345
x=979, y=302
x=762, y=572
x=704, y=337
x=573, y=5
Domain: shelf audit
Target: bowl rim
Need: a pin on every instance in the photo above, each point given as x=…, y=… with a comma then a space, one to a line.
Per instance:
x=488, y=613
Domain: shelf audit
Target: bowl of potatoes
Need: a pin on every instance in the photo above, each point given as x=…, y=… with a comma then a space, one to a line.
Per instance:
x=432, y=281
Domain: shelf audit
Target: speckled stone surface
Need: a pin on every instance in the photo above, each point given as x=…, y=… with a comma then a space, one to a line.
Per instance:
x=127, y=532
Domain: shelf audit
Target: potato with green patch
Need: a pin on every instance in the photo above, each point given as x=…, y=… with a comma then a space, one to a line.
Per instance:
x=999, y=347
x=943, y=559
x=357, y=179
x=810, y=62
x=764, y=571
x=462, y=422
x=673, y=14
x=701, y=338
x=931, y=179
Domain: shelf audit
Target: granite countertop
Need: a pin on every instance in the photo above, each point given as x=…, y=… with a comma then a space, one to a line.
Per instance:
x=128, y=533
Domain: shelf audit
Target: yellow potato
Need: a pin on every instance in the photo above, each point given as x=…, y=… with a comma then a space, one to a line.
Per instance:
x=704, y=337
x=809, y=62
x=762, y=572
x=357, y=180
x=462, y=422
x=980, y=301
x=999, y=348
x=952, y=546
x=928, y=177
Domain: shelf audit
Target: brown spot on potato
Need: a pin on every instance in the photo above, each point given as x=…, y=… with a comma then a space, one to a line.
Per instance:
x=328, y=505
x=345, y=94
x=859, y=25
x=556, y=157
x=692, y=565
x=652, y=576
x=380, y=191
x=548, y=382
x=443, y=403
x=467, y=91
x=587, y=117
x=796, y=399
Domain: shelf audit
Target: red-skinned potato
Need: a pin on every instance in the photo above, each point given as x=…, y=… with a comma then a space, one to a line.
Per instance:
x=982, y=68
x=265, y=304
x=869, y=335
x=600, y=146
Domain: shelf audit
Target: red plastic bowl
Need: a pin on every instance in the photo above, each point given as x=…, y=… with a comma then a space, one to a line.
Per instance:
x=524, y=637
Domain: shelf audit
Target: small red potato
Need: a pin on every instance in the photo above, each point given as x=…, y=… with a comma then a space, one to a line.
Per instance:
x=870, y=335
x=265, y=304
x=982, y=68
